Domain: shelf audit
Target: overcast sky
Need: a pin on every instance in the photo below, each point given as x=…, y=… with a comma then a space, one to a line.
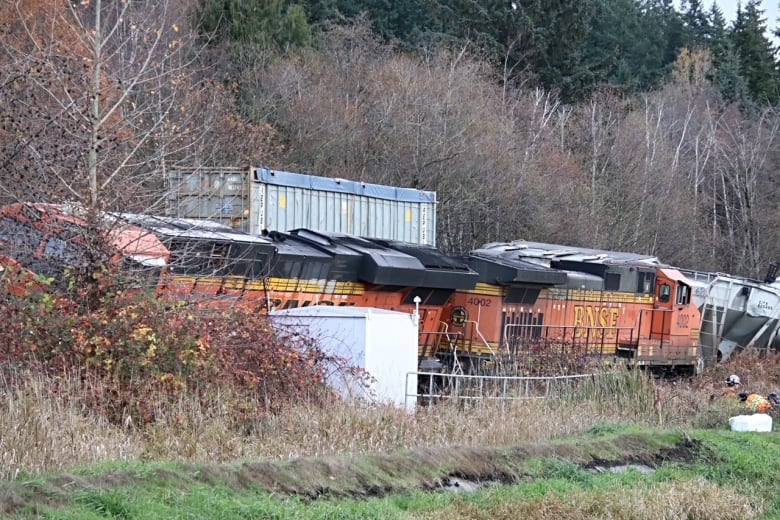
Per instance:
x=771, y=10
x=770, y=7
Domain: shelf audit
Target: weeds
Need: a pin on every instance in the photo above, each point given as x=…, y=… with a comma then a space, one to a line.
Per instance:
x=46, y=426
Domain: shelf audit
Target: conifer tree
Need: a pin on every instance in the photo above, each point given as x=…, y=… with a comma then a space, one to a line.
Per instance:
x=247, y=23
x=696, y=24
x=756, y=53
x=717, y=34
x=555, y=37
x=729, y=80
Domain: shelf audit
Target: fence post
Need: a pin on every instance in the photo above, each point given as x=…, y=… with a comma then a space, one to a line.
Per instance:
x=430, y=390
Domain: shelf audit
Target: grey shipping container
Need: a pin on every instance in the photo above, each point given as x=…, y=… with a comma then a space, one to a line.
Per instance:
x=257, y=199
x=220, y=195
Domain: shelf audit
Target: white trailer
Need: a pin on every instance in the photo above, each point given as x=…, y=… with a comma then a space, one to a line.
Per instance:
x=381, y=343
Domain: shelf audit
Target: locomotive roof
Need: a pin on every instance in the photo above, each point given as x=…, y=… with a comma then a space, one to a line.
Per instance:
x=344, y=264
x=392, y=262
x=450, y=272
x=509, y=269
x=540, y=252
x=379, y=265
x=190, y=228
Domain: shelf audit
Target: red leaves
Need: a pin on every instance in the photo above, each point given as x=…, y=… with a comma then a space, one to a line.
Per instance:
x=139, y=351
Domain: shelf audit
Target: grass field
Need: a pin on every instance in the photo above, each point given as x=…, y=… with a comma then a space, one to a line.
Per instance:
x=535, y=459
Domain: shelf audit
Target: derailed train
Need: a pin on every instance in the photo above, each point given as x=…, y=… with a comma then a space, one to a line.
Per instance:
x=502, y=302
x=616, y=305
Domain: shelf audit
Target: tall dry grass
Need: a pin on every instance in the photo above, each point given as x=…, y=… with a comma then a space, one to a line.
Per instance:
x=44, y=427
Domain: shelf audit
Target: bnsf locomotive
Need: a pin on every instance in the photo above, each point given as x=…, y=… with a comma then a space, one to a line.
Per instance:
x=504, y=301
x=533, y=296
x=218, y=265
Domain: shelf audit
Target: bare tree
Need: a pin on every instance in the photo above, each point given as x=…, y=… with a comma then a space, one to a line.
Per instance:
x=101, y=97
x=742, y=167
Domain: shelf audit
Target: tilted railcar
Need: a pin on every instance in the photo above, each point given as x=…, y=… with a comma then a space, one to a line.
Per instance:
x=533, y=297
x=217, y=265
x=737, y=313
x=51, y=240
x=209, y=262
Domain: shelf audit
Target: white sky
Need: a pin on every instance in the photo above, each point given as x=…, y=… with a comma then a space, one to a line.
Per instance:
x=771, y=10
x=770, y=7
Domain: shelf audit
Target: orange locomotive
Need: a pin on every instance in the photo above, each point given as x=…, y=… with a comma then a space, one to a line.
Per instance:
x=535, y=297
x=218, y=265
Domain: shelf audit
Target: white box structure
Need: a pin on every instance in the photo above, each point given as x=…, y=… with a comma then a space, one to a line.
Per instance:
x=383, y=343
x=759, y=422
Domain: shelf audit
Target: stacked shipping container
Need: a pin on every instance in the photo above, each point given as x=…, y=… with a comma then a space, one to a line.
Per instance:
x=258, y=199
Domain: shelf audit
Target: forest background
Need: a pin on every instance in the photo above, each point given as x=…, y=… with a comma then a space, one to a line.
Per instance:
x=629, y=125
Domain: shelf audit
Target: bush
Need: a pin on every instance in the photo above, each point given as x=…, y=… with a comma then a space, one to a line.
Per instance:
x=137, y=351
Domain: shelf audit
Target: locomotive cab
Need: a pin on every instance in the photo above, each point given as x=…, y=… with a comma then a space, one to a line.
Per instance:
x=672, y=326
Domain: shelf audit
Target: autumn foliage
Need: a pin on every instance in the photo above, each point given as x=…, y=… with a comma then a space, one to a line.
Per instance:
x=138, y=353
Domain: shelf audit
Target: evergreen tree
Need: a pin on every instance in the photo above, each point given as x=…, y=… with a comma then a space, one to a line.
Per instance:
x=729, y=80
x=756, y=53
x=717, y=35
x=661, y=37
x=491, y=26
x=401, y=21
x=615, y=47
x=247, y=23
x=555, y=36
x=696, y=24
x=318, y=11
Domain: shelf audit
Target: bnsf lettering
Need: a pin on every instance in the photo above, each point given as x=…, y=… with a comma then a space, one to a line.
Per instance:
x=588, y=317
x=480, y=302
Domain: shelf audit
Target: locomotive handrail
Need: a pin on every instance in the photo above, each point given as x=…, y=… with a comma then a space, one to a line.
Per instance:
x=445, y=333
x=506, y=395
x=565, y=328
x=482, y=337
x=547, y=325
x=450, y=342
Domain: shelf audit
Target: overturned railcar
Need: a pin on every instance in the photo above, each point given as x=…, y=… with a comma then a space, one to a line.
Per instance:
x=56, y=241
x=739, y=313
x=209, y=262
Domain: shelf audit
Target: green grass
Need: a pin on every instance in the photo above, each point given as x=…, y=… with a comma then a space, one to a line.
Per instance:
x=717, y=474
x=351, y=460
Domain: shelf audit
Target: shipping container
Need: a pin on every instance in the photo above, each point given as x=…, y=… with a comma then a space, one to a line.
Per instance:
x=258, y=199
x=221, y=195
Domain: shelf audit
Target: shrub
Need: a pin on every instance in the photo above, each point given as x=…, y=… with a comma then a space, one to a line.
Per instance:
x=137, y=351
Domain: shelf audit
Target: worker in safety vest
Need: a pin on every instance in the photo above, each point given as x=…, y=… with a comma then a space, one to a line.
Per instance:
x=733, y=385
x=756, y=403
